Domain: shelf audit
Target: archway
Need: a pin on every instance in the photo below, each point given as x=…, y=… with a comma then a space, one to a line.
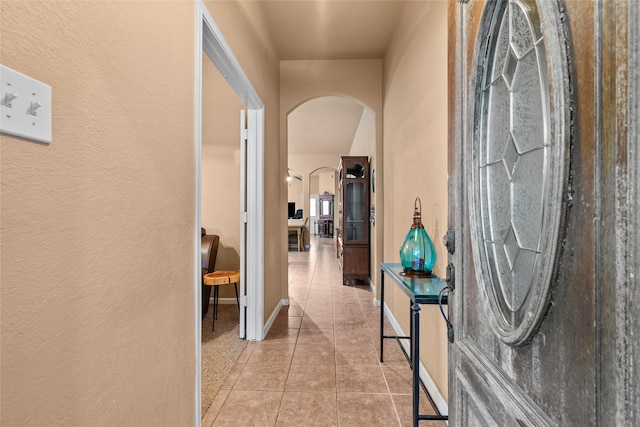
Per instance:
x=319, y=131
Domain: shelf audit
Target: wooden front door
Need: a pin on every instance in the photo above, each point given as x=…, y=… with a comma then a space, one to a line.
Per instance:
x=544, y=203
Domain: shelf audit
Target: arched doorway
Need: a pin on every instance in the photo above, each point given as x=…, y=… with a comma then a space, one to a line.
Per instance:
x=319, y=132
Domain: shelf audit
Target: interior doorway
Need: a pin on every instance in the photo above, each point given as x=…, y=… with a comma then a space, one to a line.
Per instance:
x=250, y=207
x=319, y=132
x=323, y=192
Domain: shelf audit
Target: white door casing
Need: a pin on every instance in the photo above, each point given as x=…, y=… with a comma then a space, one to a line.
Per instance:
x=208, y=38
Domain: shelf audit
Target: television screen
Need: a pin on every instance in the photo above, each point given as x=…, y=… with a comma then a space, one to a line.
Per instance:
x=292, y=210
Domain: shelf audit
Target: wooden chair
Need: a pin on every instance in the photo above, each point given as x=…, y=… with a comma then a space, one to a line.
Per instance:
x=209, y=253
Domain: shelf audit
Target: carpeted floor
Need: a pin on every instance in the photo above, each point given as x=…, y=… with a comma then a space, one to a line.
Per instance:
x=220, y=350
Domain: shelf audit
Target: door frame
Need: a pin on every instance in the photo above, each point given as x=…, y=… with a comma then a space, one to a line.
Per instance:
x=209, y=39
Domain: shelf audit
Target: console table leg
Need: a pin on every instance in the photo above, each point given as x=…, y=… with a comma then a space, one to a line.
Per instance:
x=415, y=359
x=381, y=315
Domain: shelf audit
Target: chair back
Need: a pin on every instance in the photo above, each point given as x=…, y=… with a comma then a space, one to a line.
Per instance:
x=209, y=252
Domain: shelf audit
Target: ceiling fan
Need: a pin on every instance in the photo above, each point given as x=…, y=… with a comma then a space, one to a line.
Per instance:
x=291, y=176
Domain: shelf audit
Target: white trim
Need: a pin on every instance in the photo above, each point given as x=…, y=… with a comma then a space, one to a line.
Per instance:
x=437, y=397
x=273, y=316
x=218, y=50
x=197, y=242
x=255, y=224
x=376, y=301
x=244, y=219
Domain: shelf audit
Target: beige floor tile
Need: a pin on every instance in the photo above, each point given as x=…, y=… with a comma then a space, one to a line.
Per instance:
x=363, y=354
x=285, y=321
x=316, y=336
x=399, y=378
x=301, y=282
x=246, y=353
x=316, y=322
x=370, y=311
x=296, y=306
x=350, y=317
x=364, y=292
x=360, y=379
x=360, y=336
x=249, y=408
x=344, y=299
x=393, y=355
x=299, y=301
x=314, y=354
x=315, y=303
x=272, y=354
x=281, y=336
x=294, y=311
x=214, y=408
x=368, y=410
x=319, y=311
x=348, y=310
x=344, y=323
x=404, y=407
x=298, y=298
x=308, y=409
x=320, y=296
x=234, y=373
x=311, y=378
x=262, y=377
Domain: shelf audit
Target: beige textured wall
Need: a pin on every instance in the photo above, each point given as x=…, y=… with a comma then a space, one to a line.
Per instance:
x=295, y=193
x=327, y=182
x=220, y=208
x=314, y=184
x=242, y=25
x=361, y=80
x=415, y=156
x=364, y=141
x=97, y=229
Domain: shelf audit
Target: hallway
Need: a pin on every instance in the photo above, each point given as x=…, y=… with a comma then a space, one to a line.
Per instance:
x=319, y=364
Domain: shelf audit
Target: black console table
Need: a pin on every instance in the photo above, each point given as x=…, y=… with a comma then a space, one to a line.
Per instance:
x=420, y=291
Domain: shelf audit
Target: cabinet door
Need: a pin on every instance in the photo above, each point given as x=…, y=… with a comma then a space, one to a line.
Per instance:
x=355, y=262
x=355, y=212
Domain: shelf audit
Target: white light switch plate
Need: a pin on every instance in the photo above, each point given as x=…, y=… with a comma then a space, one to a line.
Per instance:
x=25, y=106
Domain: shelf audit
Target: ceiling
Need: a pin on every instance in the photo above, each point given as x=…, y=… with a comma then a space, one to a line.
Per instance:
x=328, y=29
x=331, y=29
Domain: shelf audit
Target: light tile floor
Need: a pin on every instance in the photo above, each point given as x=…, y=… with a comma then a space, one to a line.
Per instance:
x=319, y=364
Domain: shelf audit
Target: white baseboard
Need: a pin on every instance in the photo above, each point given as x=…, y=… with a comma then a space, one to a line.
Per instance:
x=273, y=316
x=376, y=302
x=437, y=397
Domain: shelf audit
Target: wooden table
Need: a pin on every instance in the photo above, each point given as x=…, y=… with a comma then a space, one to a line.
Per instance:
x=217, y=278
x=298, y=227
